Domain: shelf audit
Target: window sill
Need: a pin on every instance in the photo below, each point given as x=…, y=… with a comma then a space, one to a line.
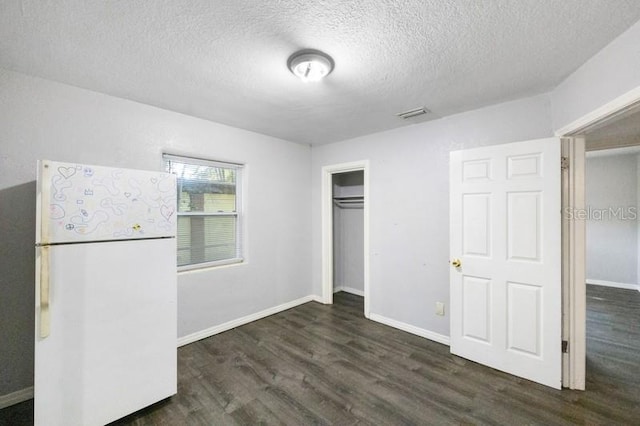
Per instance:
x=211, y=265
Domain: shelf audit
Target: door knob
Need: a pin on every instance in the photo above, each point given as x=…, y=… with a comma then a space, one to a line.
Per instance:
x=456, y=263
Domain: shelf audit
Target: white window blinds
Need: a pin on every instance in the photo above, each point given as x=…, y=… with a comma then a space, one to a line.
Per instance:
x=209, y=211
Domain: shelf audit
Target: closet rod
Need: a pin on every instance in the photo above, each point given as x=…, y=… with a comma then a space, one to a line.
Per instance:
x=351, y=197
x=352, y=204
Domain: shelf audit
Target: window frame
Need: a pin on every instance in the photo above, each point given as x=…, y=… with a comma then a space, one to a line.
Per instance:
x=238, y=213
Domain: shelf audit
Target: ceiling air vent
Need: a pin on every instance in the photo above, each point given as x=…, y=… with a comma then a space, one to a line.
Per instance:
x=413, y=113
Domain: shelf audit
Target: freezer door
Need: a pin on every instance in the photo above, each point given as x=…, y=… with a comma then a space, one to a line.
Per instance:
x=112, y=342
x=79, y=203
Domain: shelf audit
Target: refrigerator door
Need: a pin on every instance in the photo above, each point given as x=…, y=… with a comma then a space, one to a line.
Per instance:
x=112, y=341
x=79, y=203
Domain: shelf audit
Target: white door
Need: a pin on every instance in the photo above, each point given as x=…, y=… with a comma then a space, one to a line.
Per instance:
x=112, y=344
x=506, y=234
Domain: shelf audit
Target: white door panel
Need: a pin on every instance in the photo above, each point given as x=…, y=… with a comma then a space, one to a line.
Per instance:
x=476, y=214
x=476, y=302
x=505, y=229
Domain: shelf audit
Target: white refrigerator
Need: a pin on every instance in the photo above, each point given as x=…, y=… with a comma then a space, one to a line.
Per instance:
x=105, y=329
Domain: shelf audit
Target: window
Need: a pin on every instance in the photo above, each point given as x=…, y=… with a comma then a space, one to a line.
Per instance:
x=209, y=219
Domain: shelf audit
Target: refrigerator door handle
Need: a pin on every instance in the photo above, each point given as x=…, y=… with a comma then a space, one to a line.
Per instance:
x=45, y=314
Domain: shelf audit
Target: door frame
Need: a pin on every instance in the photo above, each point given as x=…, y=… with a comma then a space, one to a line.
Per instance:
x=327, y=227
x=574, y=240
x=573, y=264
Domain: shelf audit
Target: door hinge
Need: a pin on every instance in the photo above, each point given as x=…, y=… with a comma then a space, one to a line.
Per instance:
x=564, y=163
x=565, y=347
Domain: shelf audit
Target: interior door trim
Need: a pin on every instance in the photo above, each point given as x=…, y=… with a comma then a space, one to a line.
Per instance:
x=327, y=228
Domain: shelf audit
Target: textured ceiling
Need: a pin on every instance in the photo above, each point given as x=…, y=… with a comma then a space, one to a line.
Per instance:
x=226, y=60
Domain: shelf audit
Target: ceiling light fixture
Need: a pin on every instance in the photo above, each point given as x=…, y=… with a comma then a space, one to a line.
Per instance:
x=310, y=65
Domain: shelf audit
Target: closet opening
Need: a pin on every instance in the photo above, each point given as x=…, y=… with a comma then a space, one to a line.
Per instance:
x=345, y=231
x=348, y=232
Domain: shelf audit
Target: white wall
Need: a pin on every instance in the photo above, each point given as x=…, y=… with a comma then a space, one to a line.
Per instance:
x=612, y=242
x=409, y=199
x=41, y=119
x=348, y=250
x=609, y=74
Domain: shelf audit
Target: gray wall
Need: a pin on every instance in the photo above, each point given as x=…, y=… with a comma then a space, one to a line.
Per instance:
x=409, y=199
x=608, y=74
x=612, y=242
x=45, y=120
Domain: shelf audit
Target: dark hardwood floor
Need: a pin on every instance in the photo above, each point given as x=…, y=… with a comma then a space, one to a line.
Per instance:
x=317, y=364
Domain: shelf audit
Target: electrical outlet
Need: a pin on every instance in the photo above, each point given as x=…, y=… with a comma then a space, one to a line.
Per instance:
x=440, y=308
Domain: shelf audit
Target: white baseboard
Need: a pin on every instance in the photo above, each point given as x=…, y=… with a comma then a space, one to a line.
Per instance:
x=436, y=337
x=16, y=397
x=317, y=299
x=349, y=290
x=614, y=284
x=203, y=334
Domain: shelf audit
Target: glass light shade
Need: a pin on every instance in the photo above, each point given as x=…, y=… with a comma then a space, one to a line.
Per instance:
x=312, y=66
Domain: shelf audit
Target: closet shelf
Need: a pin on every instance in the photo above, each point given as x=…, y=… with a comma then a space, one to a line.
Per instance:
x=351, y=202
